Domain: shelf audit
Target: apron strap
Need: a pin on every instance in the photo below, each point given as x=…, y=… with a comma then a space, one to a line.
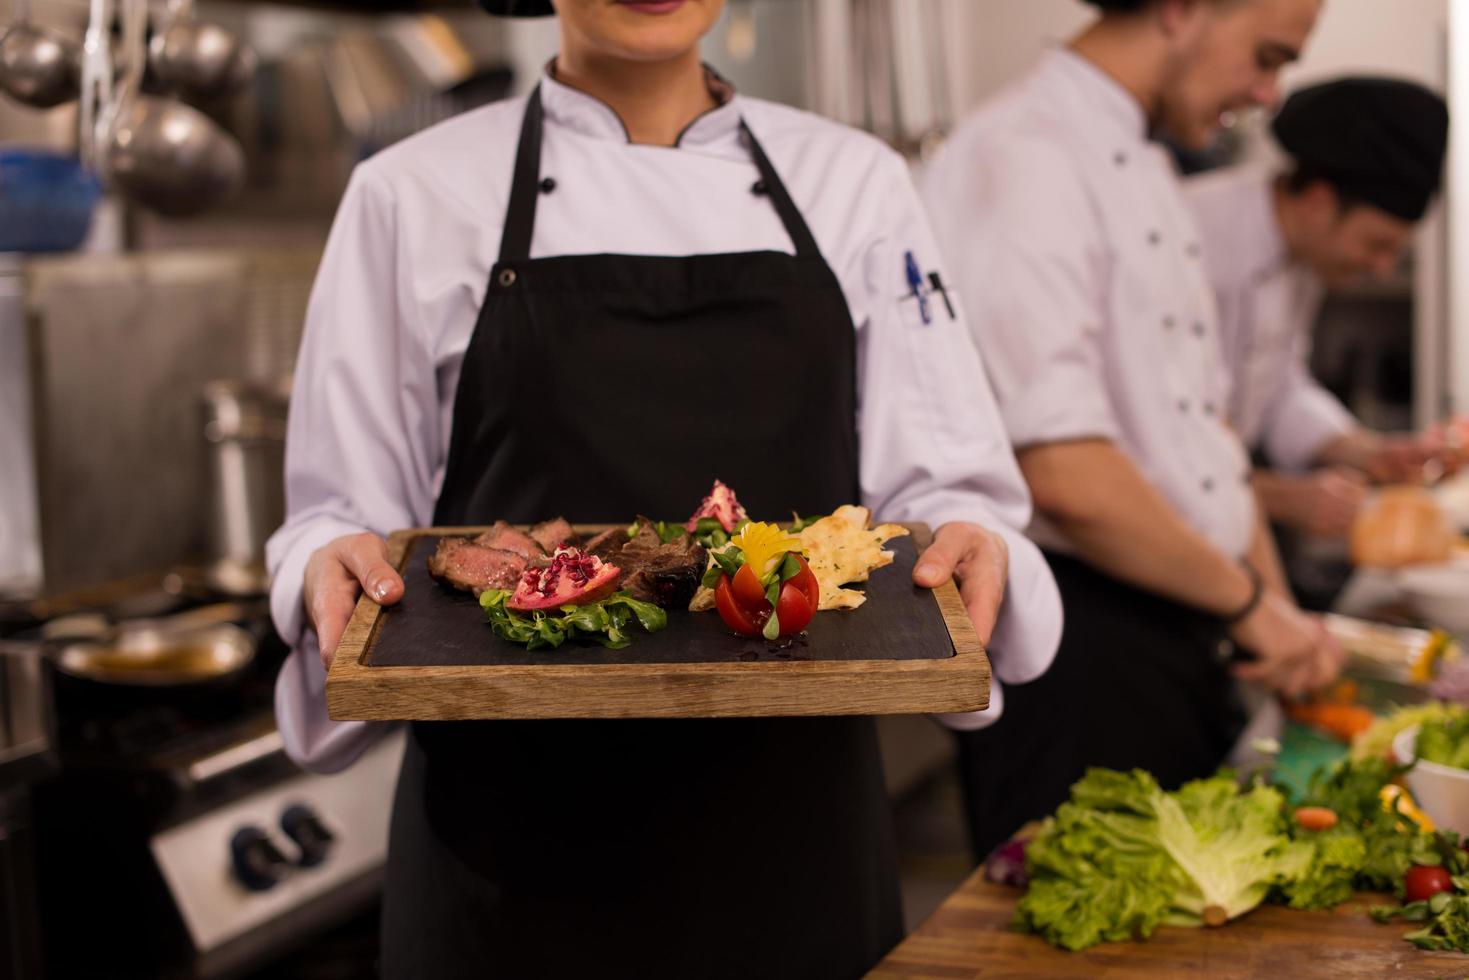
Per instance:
x=790, y=215
x=520, y=216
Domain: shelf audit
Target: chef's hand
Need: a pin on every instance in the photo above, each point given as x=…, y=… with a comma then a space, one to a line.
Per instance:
x=336, y=574
x=1326, y=502
x=979, y=560
x=1294, y=653
x=1402, y=458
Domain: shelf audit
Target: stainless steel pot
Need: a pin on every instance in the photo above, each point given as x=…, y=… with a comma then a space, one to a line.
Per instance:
x=245, y=426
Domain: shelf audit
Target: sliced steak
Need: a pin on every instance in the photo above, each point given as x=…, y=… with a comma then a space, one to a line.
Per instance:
x=607, y=544
x=665, y=574
x=506, y=538
x=468, y=565
x=554, y=533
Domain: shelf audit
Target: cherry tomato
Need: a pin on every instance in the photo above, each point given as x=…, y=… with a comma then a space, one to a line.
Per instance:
x=1424, y=881
x=733, y=614
x=748, y=591
x=794, y=609
x=805, y=580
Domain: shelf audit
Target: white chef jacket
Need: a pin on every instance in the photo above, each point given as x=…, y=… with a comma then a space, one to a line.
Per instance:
x=1267, y=305
x=1083, y=275
x=405, y=271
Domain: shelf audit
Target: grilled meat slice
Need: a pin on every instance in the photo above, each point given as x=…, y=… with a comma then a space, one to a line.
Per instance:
x=506, y=538
x=607, y=544
x=554, y=533
x=473, y=567
x=665, y=574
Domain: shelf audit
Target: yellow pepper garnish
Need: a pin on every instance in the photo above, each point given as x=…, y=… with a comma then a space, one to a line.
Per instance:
x=1394, y=797
x=1439, y=649
x=764, y=546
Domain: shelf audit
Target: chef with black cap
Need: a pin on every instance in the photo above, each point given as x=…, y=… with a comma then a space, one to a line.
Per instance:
x=591, y=302
x=1365, y=159
x=1083, y=275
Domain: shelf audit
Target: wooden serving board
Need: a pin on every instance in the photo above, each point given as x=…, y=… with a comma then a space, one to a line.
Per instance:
x=969, y=937
x=433, y=657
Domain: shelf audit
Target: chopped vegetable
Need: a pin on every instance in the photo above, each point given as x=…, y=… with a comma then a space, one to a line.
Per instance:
x=1343, y=722
x=1315, y=818
x=762, y=585
x=608, y=621
x=1423, y=881
x=1445, y=741
x=1434, y=893
x=1377, y=740
x=1395, y=799
x=1370, y=848
x=1006, y=864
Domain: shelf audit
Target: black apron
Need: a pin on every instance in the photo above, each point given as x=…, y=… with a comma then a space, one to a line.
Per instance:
x=598, y=387
x=1138, y=682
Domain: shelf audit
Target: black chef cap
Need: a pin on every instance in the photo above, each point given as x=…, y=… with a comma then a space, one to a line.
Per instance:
x=518, y=8
x=1380, y=141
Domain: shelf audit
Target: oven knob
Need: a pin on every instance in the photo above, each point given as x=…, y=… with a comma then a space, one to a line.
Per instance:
x=303, y=826
x=257, y=862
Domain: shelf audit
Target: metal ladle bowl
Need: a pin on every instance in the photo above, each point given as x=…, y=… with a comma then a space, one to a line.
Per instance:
x=199, y=60
x=38, y=67
x=171, y=157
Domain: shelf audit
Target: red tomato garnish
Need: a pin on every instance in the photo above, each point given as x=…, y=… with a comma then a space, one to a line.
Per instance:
x=805, y=580
x=1424, y=881
x=743, y=607
x=733, y=614
x=749, y=593
x=794, y=609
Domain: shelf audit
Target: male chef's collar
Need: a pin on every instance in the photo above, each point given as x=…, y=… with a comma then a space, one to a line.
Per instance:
x=1111, y=101
x=590, y=116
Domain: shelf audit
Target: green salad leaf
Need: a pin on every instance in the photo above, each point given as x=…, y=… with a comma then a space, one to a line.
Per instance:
x=1445, y=740
x=1122, y=857
x=608, y=621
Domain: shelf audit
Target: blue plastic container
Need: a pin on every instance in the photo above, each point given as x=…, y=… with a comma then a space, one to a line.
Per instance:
x=46, y=201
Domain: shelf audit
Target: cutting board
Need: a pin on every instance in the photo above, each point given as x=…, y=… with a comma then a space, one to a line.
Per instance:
x=433, y=656
x=970, y=937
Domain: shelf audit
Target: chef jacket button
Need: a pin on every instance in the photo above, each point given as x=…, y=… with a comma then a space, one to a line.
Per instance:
x=1198, y=328
x=1119, y=158
x=507, y=277
x=1169, y=323
x=1208, y=485
x=759, y=188
x=1183, y=405
x=1192, y=250
x=1154, y=238
x=1224, y=650
x=1209, y=409
x=548, y=185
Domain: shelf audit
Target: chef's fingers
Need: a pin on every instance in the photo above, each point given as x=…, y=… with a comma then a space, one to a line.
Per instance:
x=366, y=557
x=330, y=595
x=979, y=560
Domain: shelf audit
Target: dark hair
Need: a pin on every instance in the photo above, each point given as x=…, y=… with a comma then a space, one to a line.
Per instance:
x=1299, y=180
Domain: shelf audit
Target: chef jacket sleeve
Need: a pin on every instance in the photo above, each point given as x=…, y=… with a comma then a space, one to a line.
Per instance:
x=1018, y=227
x=1303, y=417
x=934, y=447
x=359, y=448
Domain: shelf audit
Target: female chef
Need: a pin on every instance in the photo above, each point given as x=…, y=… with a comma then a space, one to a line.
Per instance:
x=592, y=302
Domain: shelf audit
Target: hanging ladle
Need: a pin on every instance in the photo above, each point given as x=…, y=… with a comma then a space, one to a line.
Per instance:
x=199, y=60
x=37, y=67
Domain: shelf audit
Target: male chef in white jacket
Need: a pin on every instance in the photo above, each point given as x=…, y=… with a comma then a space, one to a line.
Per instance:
x=1083, y=277
x=1365, y=158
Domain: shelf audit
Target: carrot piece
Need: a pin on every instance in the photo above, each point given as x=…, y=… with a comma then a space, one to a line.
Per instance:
x=1316, y=818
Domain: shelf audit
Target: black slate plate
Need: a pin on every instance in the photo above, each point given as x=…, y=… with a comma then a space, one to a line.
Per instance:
x=434, y=626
